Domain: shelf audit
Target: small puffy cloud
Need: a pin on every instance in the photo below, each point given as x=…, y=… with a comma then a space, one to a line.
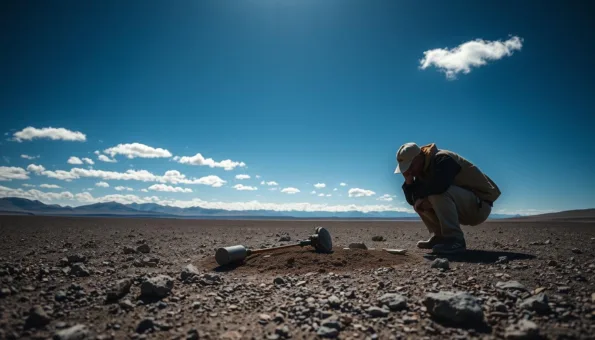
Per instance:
x=74, y=160
x=328, y=195
x=343, y=184
x=88, y=161
x=30, y=133
x=34, y=194
x=198, y=159
x=29, y=157
x=8, y=173
x=134, y=150
x=319, y=185
x=270, y=183
x=385, y=197
x=357, y=192
x=106, y=159
x=168, y=188
x=242, y=187
x=313, y=192
x=335, y=189
x=35, y=168
x=242, y=176
x=321, y=195
x=144, y=190
x=273, y=189
x=50, y=186
x=470, y=54
x=290, y=190
x=102, y=184
x=26, y=185
x=257, y=176
x=121, y=188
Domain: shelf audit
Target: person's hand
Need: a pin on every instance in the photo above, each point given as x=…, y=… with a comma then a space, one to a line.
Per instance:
x=408, y=179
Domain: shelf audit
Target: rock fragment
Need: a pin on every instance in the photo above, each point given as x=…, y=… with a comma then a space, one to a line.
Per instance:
x=129, y=250
x=393, y=301
x=79, y=269
x=143, y=248
x=189, y=272
x=377, y=312
x=357, y=246
x=537, y=303
x=510, y=285
x=456, y=307
x=119, y=289
x=441, y=263
x=76, y=332
x=37, y=318
x=159, y=286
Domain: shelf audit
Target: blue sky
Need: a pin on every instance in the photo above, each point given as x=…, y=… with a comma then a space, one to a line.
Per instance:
x=301, y=92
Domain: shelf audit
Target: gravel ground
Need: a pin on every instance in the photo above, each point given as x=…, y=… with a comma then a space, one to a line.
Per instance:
x=108, y=278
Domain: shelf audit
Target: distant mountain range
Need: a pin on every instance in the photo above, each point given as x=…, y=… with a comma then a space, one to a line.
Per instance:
x=22, y=206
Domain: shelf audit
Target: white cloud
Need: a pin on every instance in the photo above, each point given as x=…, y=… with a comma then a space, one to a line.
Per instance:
x=168, y=188
x=34, y=194
x=385, y=197
x=343, y=184
x=335, y=189
x=273, y=189
x=26, y=185
x=270, y=183
x=198, y=159
x=8, y=173
x=134, y=150
x=290, y=190
x=50, y=186
x=242, y=187
x=319, y=185
x=29, y=157
x=321, y=195
x=242, y=176
x=30, y=133
x=170, y=176
x=88, y=161
x=102, y=184
x=470, y=54
x=122, y=188
x=257, y=176
x=144, y=190
x=106, y=159
x=357, y=192
x=313, y=192
x=74, y=160
x=328, y=195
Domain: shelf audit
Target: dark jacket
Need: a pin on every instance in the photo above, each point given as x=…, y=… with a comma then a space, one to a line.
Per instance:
x=444, y=168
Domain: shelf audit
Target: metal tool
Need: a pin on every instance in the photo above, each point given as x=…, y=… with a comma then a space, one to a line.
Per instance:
x=321, y=241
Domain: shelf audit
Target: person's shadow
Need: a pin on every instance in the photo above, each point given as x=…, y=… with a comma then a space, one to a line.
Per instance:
x=482, y=256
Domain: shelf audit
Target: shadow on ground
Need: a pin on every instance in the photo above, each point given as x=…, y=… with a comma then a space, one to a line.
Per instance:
x=482, y=256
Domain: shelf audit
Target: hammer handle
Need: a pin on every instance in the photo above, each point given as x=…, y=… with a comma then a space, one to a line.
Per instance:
x=264, y=250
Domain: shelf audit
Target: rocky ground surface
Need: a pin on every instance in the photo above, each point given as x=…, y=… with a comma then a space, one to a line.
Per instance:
x=107, y=278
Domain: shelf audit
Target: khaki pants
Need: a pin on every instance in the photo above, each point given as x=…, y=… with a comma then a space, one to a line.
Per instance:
x=452, y=208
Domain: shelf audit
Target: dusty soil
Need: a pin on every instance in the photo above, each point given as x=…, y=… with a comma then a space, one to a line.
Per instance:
x=67, y=266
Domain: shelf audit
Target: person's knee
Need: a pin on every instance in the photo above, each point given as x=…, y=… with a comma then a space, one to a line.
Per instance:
x=438, y=199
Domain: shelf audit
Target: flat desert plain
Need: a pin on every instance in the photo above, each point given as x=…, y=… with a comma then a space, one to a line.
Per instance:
x=128, y=278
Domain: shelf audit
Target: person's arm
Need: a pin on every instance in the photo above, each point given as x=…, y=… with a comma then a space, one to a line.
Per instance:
x=445, y=170
x=408, y=189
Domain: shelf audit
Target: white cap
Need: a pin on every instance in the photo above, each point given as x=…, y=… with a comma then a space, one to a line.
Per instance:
x=407, y=152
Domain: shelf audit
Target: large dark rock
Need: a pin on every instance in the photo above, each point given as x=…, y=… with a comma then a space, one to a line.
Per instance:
x=119, y=289
x=158, y=286
x=459, y=308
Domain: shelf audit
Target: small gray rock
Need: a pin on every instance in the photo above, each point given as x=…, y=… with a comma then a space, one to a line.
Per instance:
x=500, y=307
x=377, y=312
x=326, y=332
x=576, y=251
x=378, y=238
x=357, y=246
x=459, y=308
x=537, y=303
x=119, y=289
x=79, y=269
x=129, y=250
x=523, y=330
x=126, y=305
x=143, y=248
x=145, y=325
x=283, y=331
x=502, y=260
x=285, y=238
x=76, y=332
x=188, y=272
x=510, y=285
x=159, y=286
x=37, y=318
x=60, y=296
x=334, y=301
x=393, y=301
x=331, y=322
x=441, y=263
x=278, y=281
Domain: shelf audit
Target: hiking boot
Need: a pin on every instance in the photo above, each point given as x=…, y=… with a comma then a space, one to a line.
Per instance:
x=434, y=240
x=450, y=246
